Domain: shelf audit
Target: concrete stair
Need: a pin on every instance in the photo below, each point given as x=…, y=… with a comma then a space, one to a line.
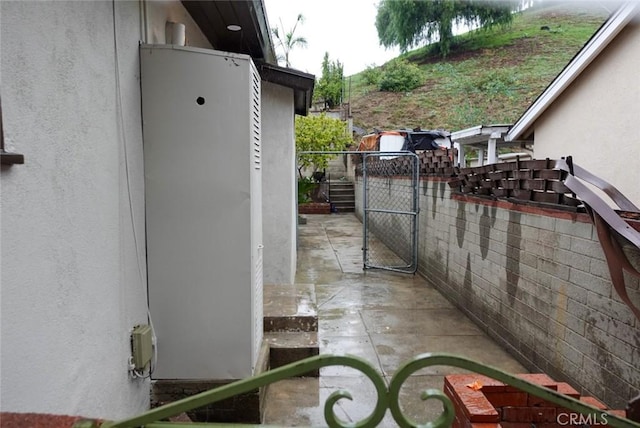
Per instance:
x=290, y=323
x=342, y=195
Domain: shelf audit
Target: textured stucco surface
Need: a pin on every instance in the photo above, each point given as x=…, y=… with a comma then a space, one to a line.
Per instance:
x=72, y=217
x=278, y=184
x=596, y=119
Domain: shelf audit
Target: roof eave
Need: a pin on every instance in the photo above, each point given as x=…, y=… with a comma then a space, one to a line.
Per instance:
x=480, y=133
x=606, y=33
x=265, y=31
x=254, y=38
x=301, y=83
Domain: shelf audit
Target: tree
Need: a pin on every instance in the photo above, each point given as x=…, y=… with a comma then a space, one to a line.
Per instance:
x=329, y=87
x=319, y=134
x=287, y=40
x=408, y=23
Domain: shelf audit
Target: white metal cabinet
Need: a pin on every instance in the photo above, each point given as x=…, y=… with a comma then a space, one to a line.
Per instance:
x=202, y=159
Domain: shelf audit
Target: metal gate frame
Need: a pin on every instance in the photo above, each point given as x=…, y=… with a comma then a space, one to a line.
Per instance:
x=387, y=397
x=412, y=210
x=392, y=207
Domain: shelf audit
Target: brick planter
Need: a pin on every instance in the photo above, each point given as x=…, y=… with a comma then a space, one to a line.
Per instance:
x=314, y=208
x=497, y=405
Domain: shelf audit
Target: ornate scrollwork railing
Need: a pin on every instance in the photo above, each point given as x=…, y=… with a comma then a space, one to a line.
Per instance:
x=387, y=398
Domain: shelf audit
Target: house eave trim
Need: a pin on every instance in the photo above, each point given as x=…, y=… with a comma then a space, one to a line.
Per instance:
x=301, y=83
x=591, y=50
x=479, y=134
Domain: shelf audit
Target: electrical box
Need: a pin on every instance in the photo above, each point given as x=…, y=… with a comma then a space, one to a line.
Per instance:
x=142, y=346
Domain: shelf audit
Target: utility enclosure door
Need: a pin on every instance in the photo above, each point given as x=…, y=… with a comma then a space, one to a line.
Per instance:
x=201, y=112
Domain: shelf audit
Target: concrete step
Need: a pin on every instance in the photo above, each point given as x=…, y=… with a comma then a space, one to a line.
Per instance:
x=286, y=347
x=343, y=202
x=342, y=198
x=290, y=323
x=342, y=195
x=342, y=190
x=340, y=186
x=289, y=307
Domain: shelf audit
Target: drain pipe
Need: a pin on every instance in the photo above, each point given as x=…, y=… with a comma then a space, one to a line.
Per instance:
x=144, y=21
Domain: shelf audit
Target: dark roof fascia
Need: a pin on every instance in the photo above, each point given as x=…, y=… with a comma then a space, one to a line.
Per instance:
x=268, y=51
x=212, y=16
x=301, y=83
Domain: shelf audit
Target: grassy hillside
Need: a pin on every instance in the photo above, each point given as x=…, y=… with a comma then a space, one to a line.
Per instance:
x=490, y=77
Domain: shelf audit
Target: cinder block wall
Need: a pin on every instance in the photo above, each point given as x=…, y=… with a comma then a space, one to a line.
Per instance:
x=536, y=281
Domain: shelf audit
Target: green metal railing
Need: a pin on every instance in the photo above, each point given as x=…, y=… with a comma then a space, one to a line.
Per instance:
x=387, y=398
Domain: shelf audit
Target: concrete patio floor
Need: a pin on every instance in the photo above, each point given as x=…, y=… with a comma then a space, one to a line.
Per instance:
x=384, y=317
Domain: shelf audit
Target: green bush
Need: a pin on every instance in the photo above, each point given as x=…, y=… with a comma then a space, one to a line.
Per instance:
x=306, y=186
x=400, y=75
x=371, y=75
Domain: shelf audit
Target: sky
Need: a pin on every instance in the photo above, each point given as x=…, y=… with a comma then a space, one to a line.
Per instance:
x=344, y=28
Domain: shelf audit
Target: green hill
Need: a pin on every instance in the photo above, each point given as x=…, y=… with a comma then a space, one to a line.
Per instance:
x=490, y=76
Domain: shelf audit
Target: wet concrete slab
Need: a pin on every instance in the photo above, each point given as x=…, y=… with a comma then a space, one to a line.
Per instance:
x=384, y=317
x=342, y=322
x=419, y=322
x=477, y=347
x=289, y=299
x=311, y=394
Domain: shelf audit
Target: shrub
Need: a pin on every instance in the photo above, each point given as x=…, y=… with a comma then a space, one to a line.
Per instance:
x=400, y=75
x=306, y=186
x=371, y=75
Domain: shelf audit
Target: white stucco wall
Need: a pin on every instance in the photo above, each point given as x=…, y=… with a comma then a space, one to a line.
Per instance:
x=73, y=280
x=596, y=119
x=278, y=184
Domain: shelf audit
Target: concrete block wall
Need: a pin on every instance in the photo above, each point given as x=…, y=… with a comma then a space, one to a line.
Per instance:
x=536, y=281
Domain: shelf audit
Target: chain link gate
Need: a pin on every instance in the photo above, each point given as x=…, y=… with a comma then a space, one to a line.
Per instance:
x=390, y=207
x=390, y=211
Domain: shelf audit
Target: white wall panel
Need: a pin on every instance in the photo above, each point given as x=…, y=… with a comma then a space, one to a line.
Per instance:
x=203, y=210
